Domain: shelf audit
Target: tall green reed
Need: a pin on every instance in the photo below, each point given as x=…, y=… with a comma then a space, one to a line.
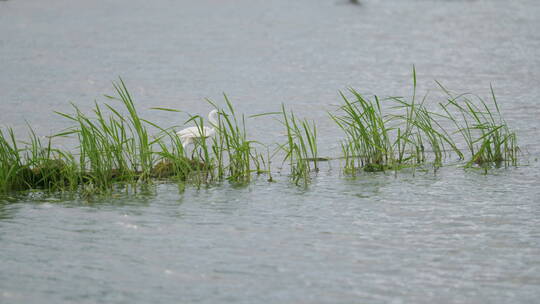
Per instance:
x=488, y=138
x=34, y=165
x=411, y=135
x=367, y=143
x=301, y=146
x=224, y=153
x=143, y=143
x=115, y=146
x=10, y=164
x=112, y=148
x=233, y=150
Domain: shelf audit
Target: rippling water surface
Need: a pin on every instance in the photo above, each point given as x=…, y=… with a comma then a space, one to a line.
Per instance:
x=452, y=237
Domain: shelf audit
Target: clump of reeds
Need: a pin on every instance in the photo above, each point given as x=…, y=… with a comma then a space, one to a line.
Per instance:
x=34, y=165
x=487, y=136
x=416, y=135
x=51, y=168
x=233, y=151
x=419, y=132
x=115, y=146
x=13, y=174
x=172, y=162
x=227, y=155
x=112, y=148
x=300, y=147
x=367, y=143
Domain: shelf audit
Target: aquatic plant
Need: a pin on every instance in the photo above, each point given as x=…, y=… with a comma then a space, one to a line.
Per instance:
x=51, y=169
x=487, y=136
x=368, y=143
x=233, y=151
x=416, y=135
x=111, y=148
x=172, y=162
x=12, y=171
x=300, y=147
x=141, y=143
x=116, y=151
x=227, y=154
x=419, y=132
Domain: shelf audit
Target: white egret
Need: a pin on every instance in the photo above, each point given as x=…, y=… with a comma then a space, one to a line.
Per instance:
x=188, y=135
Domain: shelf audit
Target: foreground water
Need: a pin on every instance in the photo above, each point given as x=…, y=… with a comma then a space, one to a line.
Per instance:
x=454, y=237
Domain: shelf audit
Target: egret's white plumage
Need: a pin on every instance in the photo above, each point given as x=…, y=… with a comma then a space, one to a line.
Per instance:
x=188, y=135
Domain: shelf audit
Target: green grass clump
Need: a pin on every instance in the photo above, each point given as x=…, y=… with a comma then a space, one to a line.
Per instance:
x=116, y=150
x=234, y=153
x=34, y=165
x=419, y=133
x=13, y=174
x=112, y=148
x=52, y=169
x=414, y=135
x=172, y=162
x=226, y=155
x=301, y=146
x=488, y=139
x=368, y=142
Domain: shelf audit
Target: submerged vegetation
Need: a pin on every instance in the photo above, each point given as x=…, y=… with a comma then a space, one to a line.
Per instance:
x=118, y=149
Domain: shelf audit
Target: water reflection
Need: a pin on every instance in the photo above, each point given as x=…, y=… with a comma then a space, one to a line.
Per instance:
x=7, y=210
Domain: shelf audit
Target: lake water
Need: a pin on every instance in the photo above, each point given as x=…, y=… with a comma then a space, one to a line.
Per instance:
x=452, y=237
